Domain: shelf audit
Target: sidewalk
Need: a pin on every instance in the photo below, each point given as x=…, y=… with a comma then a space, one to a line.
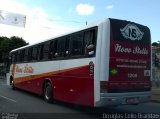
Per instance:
x=155, y=94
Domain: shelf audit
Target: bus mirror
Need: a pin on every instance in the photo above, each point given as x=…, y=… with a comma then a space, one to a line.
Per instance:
x=90, y=49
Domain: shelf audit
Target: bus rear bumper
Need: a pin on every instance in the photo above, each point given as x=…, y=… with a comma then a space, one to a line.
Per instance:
x=115, y=99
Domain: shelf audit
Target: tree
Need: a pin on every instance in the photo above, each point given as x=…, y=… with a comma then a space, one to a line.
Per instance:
x=18, y=42
x=155, y=44
x=8, y=44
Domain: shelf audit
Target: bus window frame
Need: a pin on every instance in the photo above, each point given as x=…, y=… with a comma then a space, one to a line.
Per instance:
x=34, y=53
x=71, y=45
x=65, y=57
x=26, y=54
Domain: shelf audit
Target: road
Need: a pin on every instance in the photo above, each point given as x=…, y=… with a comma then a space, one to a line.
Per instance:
x=20, y=104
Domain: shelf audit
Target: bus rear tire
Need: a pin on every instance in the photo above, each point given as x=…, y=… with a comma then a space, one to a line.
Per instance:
x=12, y=83
x=48, y=92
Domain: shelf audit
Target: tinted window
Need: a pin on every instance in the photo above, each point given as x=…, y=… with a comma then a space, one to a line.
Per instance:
x=59, y=47
x=51, y=49
x=53, y=52
x=67, y=46
x=18, y=56
x=22, y=55
x=35, y=52
x=41, y=52
x=77, y=42
x=30, y=54
x=89, y=39
x=72, y=45
x=13, y=57
x=38, y=52
x=46, y=50
x=26, y=55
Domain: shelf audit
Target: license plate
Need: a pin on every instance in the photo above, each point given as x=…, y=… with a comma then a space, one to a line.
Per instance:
x=131, y=100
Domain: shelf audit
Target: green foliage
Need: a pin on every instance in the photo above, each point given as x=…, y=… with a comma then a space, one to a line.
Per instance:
x=156, y=44
x=8, y=44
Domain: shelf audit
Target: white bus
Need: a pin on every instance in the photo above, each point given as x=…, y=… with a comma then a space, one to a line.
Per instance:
x=107, y=63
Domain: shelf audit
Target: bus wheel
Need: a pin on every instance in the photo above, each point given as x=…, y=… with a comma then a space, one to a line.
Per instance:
x=12, y=84
x=48, y=92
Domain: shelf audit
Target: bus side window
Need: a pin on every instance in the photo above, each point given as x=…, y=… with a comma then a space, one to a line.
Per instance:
x=30, y=54
x=45, y=50
x=67, y=47
x=41, y=52
x=38, y=52
x=10, y=57
x=61, y=47
x=22, y=55
x=77, y=42
x=34, y=53
x=55, y=52
x=26, y=55
x=89, y=42
x=13, y=57
x=18, y=55
x=51, y=50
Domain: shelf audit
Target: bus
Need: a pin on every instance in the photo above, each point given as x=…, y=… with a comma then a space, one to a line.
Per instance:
x=104, y=64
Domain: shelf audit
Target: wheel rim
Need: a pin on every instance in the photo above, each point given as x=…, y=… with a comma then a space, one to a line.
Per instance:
x=48, y=92
x=12, y=83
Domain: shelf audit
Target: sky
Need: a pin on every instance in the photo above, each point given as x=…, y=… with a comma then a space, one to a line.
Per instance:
x=49, y=18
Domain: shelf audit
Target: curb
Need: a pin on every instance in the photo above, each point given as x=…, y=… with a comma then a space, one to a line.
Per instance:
x=156, y=101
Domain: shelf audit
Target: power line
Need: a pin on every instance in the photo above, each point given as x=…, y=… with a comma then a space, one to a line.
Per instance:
x=71, y=21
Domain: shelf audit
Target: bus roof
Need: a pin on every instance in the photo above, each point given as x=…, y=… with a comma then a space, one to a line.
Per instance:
x=86, y=27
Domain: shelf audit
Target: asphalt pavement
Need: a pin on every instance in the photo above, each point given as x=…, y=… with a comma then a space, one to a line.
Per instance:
x=17, y=104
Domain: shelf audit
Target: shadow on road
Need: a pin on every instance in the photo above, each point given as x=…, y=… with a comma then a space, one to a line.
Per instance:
x=95, y=112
